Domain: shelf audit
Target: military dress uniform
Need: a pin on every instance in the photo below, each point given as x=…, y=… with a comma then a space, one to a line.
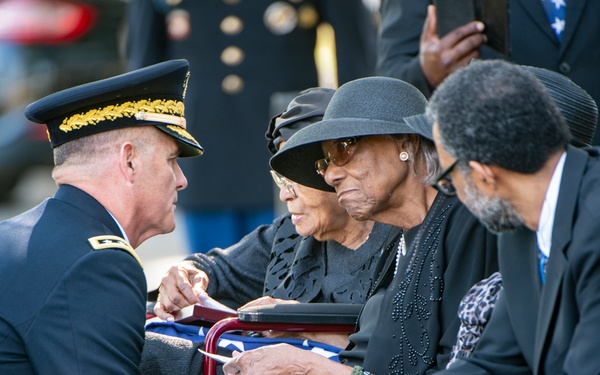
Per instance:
x=73, y=289
x=241, y=52
x=68, y=304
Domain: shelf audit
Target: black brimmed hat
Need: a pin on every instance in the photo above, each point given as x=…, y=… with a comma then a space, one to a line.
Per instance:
x=306, y=108
x=576, y=105
x=366, y=106
x=148, y=96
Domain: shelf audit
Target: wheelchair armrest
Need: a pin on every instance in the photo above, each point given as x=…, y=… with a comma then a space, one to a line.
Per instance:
x=302, y=317
x=302, y=313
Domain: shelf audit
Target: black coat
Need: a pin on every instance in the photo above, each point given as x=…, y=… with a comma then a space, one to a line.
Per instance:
x=67, y=308
x=551, y=329
x=532, y=40
x=230, y=123
x=274, y=260
x=415, y=326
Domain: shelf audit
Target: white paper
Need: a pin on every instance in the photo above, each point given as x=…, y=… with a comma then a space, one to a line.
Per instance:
x=206, y=301
x=216, y=357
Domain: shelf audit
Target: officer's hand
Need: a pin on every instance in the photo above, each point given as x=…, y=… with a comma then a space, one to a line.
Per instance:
x=180, y=287
x=440, y=57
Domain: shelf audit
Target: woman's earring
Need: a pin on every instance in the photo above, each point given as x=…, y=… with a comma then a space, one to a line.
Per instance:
x=404, y=156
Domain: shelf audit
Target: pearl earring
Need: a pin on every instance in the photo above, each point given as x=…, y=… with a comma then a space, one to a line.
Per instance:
x=404, y=156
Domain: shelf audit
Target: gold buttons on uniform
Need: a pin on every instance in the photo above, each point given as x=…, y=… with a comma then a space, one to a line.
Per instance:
x=232, y=56
x=307, y=16
x=231, y=25
x=232, y=84
x=280, y=18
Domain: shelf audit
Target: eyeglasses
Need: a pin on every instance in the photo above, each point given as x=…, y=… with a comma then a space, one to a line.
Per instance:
x=284, y=183
x=444, y=182
x=338, y=153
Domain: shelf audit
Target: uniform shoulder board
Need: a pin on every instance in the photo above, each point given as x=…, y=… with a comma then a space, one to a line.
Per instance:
x=113, y=242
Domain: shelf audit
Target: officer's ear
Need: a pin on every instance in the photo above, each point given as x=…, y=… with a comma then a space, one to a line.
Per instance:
x=128, y=163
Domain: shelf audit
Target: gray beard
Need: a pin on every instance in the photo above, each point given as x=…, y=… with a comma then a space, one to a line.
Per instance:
x=495, y=213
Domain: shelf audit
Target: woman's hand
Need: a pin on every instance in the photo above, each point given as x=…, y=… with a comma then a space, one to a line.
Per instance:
x=263, y=301
x=282, y=359
x=180, y=287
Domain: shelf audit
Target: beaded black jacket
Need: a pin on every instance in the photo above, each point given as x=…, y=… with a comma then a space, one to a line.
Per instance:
x=416, y=310
x=276, y=261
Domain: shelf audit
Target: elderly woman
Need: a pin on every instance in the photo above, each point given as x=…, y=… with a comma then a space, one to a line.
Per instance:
x=373, y=150
x=315, y=253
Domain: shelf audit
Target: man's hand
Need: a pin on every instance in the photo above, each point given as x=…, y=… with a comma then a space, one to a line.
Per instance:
x=282, y=359
x=180, y=287
x=441, y=56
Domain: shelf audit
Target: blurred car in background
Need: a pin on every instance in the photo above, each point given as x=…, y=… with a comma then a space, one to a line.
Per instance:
x=47, y=46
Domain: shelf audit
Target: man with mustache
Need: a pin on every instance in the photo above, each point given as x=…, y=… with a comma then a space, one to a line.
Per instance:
x=504, y=147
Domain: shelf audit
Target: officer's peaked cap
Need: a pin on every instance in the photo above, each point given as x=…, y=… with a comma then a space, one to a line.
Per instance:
x=148, y=96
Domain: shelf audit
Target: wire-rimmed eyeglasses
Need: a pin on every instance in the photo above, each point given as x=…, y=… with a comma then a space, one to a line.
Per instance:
x=444, y=182
x=338, y=153
x=284, y=183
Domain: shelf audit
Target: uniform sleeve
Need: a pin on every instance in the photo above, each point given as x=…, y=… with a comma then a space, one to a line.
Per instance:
x=93, y=322
x=497, y=351
x=398, y=49
x=238, y=272
x=146, y=34
x=355, y=37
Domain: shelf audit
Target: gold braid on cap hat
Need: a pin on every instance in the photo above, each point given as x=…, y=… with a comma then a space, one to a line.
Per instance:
x=165, y=111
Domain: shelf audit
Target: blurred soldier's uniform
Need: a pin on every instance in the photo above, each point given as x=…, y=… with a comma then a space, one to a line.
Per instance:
x=241, y=53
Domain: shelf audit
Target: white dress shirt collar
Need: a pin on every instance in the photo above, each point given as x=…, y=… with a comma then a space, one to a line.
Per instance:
x=546, y=220
x=123, y=234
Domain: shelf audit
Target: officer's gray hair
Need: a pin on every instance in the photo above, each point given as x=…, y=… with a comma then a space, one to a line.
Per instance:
x=97, y=146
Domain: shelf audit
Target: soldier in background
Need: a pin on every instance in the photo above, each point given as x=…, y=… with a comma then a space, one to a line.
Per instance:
x=243, y=53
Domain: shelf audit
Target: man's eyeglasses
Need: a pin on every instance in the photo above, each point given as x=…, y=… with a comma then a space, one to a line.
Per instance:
x=444, y=182
x=338, y=153
x=284, y=183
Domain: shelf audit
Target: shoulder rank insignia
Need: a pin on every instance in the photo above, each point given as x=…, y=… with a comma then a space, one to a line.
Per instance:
x=113, y=242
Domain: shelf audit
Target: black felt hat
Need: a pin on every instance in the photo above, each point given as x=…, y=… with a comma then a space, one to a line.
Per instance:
x=576, y=105
x=366, y=106
x=148, y=96
x=306, y=108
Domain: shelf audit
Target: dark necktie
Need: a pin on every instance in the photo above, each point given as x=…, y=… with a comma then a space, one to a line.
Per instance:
x=555, y=9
